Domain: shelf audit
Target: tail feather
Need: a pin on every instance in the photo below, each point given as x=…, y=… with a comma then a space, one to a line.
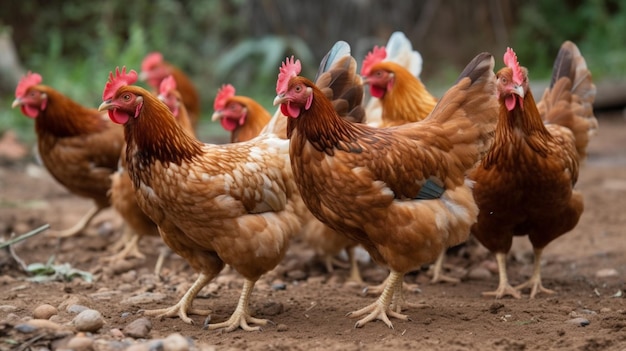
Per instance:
x=569, y=99
x=468, y=112
x=338, y=79
x=400, y=50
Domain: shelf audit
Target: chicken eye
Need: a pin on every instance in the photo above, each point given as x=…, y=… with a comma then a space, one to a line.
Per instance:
x=298, y=88
x=126, y=97
x=503, y=80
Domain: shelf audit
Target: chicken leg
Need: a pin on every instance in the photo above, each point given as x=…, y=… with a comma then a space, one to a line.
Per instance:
x=183, y=307
x=380, y=309
x=437, y=269
x=78, y=227
x=355, y=273
x=504, y=288
x=129, y=248
x=241, y=317
x=534, y=283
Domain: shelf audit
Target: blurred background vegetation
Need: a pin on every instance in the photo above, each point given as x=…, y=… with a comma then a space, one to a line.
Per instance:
x=74, y=45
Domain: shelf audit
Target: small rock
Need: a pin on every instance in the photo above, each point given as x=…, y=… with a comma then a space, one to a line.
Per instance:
x=605, y=310
x=122, y=266
x=44, y=311
x=80, y=343
x=175, y=342
x=279, y=285
x=144, y=298
x=479, y=273
x=88, y=321
x=142, y=347
x=606, y=273
x=581, y=322
x=105, y=295
x=495, y=307
x=272, y=308
x=116, y=333
x=7, y=308
x=318, y=280
x=138, y=329
x=37, y=324
x=282, y=327
x=129, y=277
x=297, y=274
x=76, y=309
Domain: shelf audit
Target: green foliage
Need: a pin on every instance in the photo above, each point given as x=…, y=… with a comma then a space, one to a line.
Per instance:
x=596, y=26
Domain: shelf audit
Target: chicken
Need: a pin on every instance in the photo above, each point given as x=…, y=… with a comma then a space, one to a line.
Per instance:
x=77, y=145
x=154, y=69
x=122, y=193
x=242, y=116
x=337, y=78
x=399, y=50
x=234, y=204
x=525, y=184
x=403, y=97
x=400, y=192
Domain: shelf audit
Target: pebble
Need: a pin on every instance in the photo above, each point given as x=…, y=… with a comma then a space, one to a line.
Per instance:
x=116, y=333
x=44, y=311
x=605, y=310
x=279, y=285
x=105, y=295
x=76, y=309
x=479, y=273
x=606, y=273
x=122, y=266
x=37, y=324
x=129, y=277
x=7, y=308
x=297, y=274
x=282, y=327
x=175, y=342
x=138, y=329
x=272, y=308
x=581, y=322
x=88, y=320
x=144, y=298
x=80, y=343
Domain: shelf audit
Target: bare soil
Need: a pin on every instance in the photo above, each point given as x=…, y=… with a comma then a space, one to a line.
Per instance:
x=585, y=267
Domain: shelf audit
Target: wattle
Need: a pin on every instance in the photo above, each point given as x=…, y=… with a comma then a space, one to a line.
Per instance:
x=118, y=116
x=377, y=92
x=288, y=110
x=509, y=102
x=228, y=124
x=30, y=111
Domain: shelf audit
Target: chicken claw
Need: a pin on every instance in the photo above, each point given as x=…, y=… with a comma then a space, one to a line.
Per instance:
x=504, y=288
x=381, y=308
x=183, y=307
x=241, y=317
x=534, y=283
x=437, y=272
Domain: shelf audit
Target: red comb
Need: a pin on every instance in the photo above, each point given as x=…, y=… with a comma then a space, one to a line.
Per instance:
x=121, y=79
x=167, y=84
x=226, y=92
x=29, y=80
x=510, y=60
x=151, y=60
x=288, y=69
x=373, y=57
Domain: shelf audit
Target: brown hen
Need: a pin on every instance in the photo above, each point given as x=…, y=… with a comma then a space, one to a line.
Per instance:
x=525, y=184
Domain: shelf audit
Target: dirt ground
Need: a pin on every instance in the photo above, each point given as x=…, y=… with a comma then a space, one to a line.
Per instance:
x=585, y=267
